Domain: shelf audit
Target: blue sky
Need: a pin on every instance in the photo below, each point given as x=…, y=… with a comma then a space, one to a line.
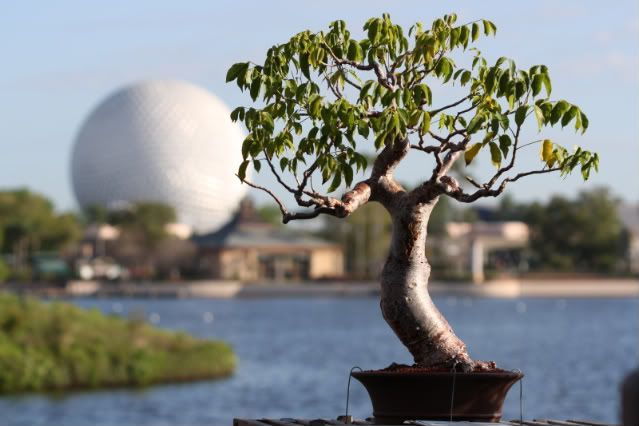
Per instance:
x=61, y=58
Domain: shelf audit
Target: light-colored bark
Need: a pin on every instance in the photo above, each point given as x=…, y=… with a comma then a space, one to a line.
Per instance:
x=405, y=302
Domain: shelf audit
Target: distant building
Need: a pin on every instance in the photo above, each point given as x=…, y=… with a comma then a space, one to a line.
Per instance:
x=161, y=141
x=629, y=215
x=249, y=249
x=468, y=244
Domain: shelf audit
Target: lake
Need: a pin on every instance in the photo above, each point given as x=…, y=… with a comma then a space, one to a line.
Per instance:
x=295, y=356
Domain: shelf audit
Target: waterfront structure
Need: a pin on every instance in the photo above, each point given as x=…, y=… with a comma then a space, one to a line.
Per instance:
x=469, y=243
x=161, y=141
x=250, y=249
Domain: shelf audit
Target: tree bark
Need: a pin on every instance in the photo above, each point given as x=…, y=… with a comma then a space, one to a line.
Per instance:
x=405, y=302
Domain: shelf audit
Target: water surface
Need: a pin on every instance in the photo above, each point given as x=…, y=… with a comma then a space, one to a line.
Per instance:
x=295, y=355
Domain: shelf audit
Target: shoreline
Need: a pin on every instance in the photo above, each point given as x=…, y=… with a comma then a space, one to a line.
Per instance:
x=210, y=289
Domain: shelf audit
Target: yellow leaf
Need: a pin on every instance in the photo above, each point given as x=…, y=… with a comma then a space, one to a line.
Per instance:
x=495, y=154
x=471, y=152
x=546, y=152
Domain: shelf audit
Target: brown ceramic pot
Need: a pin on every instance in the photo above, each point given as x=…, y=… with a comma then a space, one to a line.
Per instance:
x=413, y=395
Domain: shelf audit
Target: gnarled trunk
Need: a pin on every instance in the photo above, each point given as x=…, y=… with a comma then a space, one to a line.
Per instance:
x=405, y=302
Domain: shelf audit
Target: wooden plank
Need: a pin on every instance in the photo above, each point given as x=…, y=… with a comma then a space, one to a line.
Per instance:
x=368, y=422
x=298, y=421
x=248, y=422
x=275, y=422
x=589, y=423
x=325, y=422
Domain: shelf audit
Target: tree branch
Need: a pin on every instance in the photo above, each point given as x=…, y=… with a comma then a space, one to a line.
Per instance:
x=458, y=194
x=389, y=158
x=454, y=104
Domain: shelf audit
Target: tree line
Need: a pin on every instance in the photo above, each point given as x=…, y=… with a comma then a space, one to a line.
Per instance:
x=580, y=234
x=30, y=228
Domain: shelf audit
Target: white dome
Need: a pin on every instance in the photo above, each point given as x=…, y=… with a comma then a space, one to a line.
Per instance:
x=161, y=141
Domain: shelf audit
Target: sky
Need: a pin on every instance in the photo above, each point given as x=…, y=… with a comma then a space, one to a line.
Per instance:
x=59, y=59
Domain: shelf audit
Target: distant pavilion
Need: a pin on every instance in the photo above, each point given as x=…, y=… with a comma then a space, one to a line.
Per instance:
x=248, y=248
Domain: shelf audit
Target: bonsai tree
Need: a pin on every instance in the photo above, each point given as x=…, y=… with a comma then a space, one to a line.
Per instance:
x=326, y=101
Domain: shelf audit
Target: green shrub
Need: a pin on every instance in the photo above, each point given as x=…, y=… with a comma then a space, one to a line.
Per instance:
x=5, y=271
x=58, y=345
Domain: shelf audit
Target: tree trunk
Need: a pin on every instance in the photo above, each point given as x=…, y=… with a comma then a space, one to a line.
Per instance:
x=405, y=302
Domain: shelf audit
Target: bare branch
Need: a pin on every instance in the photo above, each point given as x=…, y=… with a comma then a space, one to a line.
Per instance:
x=510, y=165
x=334, y=89
x=473, y=182
x=458, y=194
x=430, y=149
x=454, y=104
x=528, y=144
x=269, y=192
x=277, y=175
x=338, y=61
x=352, y=83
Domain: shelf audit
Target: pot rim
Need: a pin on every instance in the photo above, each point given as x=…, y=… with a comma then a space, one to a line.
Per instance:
x=500, y=373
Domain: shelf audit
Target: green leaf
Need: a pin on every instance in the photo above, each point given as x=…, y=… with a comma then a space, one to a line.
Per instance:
x=465, y=77
x=503, y=82
x=241, y=172
x=471, y=153
x=235, y=71
x=504, y=144
x=257, y=165
x=246, y=146
x=475, y=123
x=558, y=110
x=348, y=174
x=520, y=115
x=569, y=115
x=425, y=127
x=354, y=51
x=414, y=118
x=337, y=180
x=489, y=27
x=283, y=163
x=304, y=66
x=539, y=114
x=495, y=154
x=464, y=35
x=536, y=84
x=267, y=121
x=373, y=31
x=237, y=113
x=489, y=83
x=584, y=124
x=255, y=88
x=547, y=84
x=315, y=105
x=475, y=31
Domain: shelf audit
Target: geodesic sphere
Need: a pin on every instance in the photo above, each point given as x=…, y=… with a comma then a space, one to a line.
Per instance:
x=161, y=141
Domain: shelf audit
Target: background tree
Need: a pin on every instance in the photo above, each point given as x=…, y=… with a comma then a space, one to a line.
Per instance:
x=143, y=235
x=29, y=223
x=364, y=237
x=582, y=234
x=324, y=95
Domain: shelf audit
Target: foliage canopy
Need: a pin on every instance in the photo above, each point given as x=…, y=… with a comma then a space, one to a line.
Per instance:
x=324, y=95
